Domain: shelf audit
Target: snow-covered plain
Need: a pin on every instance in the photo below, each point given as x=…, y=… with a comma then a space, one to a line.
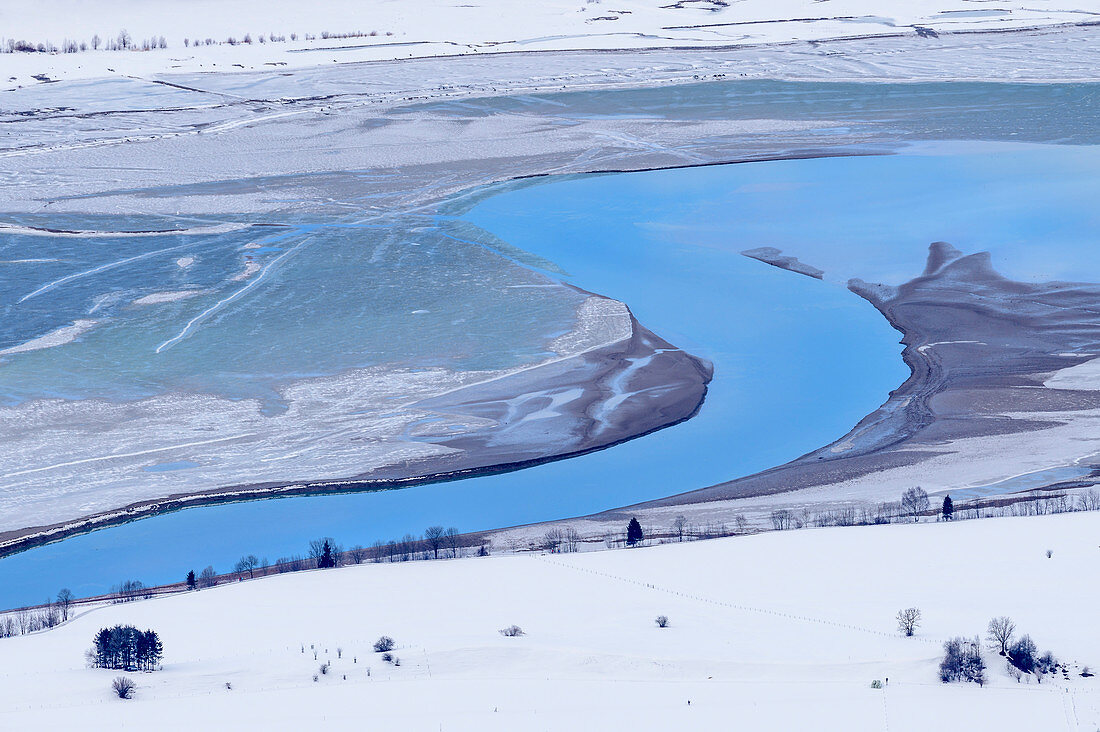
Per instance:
x=384, y=30
x=776, y=631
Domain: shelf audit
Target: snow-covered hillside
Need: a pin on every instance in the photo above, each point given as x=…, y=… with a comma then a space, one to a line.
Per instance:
x=251, y=34
x=783, y=630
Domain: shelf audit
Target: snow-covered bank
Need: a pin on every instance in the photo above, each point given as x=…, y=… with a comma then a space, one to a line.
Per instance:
x=243, y=34
x=757, y=636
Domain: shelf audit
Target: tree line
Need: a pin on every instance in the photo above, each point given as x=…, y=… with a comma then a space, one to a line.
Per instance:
x=324, y=553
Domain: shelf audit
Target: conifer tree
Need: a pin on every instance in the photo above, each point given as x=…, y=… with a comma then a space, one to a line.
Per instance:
x=948, y=508
x=326, y=559
x=191, y=581
x=634, y=532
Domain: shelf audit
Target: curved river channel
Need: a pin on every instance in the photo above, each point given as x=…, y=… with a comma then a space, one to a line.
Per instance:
x=797, y=361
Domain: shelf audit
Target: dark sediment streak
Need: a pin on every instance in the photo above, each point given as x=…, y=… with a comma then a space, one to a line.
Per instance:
x=979, y=346
x=776, y=258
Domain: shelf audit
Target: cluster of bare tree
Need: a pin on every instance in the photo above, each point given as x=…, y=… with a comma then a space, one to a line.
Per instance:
x=122, y=42
x=29, y=620
x=247, y=39
x=1021, y=654
x=962, y=661
x=130, y=590
x=435, y=543
x=915, y=505
x=125, y=42
x=561, y=541
x=22, y=622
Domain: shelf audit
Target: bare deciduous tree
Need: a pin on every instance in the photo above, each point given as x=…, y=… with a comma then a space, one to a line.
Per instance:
x=247, y=564
x=1000, y=633
x=357, y=554
x=908, y=620
x=552, y=540
x=679, y=526
x=782, y=519
x=208, y=577
x=1089, y=500
x=450, y=540
x=317, y=547
x=915, y=502
x=570, y=539
x=741, y=522
x=434, y=536
x=64, y=602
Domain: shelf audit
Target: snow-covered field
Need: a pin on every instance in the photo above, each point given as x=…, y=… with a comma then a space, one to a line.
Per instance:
x=340, y=31
x=778, y=631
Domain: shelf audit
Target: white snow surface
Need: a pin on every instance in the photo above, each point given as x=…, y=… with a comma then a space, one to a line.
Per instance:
x=377, y=30
x=777, y=631
x=1084, y=376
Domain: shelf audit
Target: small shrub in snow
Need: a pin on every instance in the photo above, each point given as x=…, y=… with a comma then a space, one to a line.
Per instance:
x=315, y=677
x=512, y=631
x=1050, y=553
x=662, y=621
x=1086, y=672
x=876, y=684
x=387, y=657
x=123, y=687
x=383, y=644
x=325, y=667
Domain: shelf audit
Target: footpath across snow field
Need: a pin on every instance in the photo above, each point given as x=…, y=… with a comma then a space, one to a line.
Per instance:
x=784, y=630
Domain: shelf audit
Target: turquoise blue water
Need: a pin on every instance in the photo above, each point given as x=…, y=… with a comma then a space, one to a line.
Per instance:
x=797, y=361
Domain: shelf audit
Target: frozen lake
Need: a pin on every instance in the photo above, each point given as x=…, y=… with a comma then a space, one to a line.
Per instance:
x=797, y=361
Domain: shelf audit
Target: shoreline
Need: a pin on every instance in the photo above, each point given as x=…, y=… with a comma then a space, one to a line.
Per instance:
x=689, y=396
x=922, y=384
x=960, y=394
x=509, y=166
